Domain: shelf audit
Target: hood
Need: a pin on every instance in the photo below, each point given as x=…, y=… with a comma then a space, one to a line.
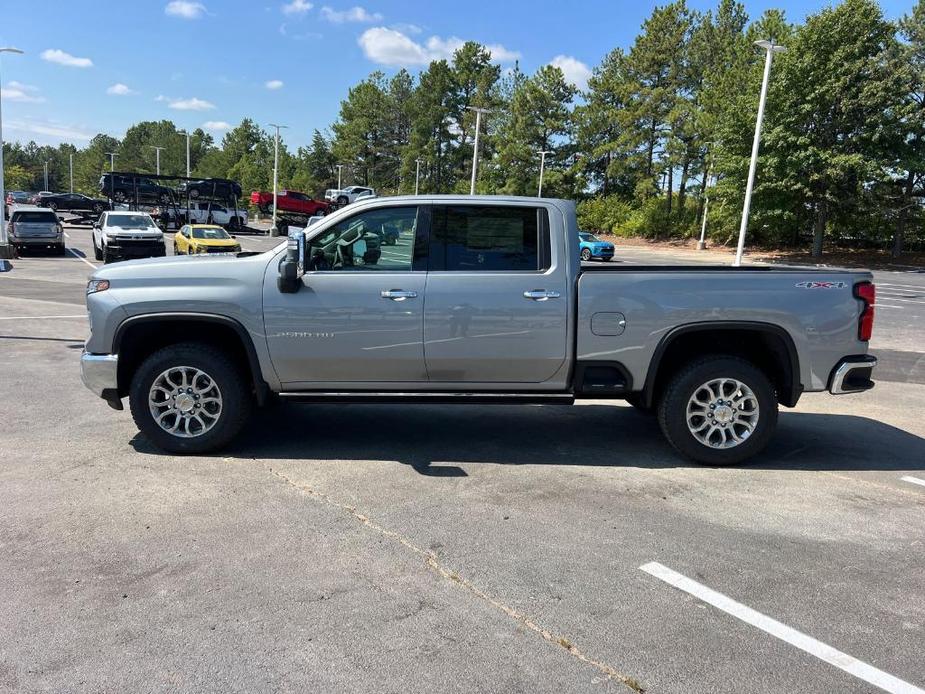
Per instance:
x=215, y=242
x=186, y=270
x=134, y=232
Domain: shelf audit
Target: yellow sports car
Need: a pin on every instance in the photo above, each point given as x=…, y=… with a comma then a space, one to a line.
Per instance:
x=204, y=238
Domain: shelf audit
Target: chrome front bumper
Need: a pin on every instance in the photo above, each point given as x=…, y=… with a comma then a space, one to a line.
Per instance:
x=99, y=372
x=853, y=375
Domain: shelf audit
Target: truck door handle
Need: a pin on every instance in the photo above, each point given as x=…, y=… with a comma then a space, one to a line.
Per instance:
x=397, y=294
x=541, y=295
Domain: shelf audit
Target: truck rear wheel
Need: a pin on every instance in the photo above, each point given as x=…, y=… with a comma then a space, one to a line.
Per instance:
x=189, y=398
x=718, y=410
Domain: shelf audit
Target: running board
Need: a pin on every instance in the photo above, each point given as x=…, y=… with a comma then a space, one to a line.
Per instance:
x=422, y=397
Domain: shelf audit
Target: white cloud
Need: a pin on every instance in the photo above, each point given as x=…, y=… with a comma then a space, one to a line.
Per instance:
x=56, y=55
x=354, y=14
x=193, y=104
x=185, y=9
x=407, y=28
x=390, y=47
x=56, y=131
x=119, y=89
x=297, y=7
x=273, y=84
x=21, y=93
x=575, y=71
x=216, y=125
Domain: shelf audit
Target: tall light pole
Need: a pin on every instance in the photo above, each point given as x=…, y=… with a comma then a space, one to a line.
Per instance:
x=702, y=244
x=45, y=166
x=71, y=169
x=112, y=160
x=770, y=49
x=542, y=153
x=417, y=175
x=475, y=145
x=186, y=132
x=273, y=230
x=339, y=168
x=5, y=250
x=157, y=151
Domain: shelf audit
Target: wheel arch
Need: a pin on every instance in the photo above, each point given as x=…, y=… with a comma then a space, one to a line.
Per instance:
x=138, y=337
x=768, y=346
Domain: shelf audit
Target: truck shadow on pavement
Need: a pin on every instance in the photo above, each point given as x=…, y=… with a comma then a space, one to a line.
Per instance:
x=430, y=439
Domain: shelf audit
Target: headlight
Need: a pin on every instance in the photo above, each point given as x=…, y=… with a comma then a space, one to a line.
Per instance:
x=94, y=286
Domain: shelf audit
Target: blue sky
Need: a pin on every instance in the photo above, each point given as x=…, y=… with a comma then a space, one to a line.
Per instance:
x=101, y=65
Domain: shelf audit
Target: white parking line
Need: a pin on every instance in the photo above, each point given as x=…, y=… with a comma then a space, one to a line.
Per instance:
x=805, y=643
x=913, y=480
x=80, y=315
x=80, y=257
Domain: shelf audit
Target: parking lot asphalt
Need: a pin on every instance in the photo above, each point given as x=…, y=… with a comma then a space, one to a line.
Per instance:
x=393, y=549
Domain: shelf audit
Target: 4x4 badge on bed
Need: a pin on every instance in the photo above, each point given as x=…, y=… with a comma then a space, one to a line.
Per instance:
x=815, y=284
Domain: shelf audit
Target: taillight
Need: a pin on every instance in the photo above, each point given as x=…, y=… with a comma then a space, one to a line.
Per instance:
x=866, y=292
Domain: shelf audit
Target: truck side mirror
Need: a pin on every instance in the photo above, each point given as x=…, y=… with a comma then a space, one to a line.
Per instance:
x=292, y=266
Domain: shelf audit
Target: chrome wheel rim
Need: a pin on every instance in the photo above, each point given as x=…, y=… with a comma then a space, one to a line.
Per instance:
x=722, y=413
x=185, y=401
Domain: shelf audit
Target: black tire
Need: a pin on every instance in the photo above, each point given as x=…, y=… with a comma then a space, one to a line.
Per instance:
x=343, y=200
x=194, y=193
x=107, y=256
x=60, y=249
x=176, y=251
x=97, y=253
x=234, y=223
x=97, y=208
x=585, y=254
x=672, y=409
x=164, y=199
x=118, y=196
x=53, y=206
x=237, y=401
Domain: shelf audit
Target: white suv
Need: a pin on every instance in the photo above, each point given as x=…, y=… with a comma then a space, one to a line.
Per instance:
x=123, y=235
x=349, y=194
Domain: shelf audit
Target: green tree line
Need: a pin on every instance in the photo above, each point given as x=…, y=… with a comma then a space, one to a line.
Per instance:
x=662, y=131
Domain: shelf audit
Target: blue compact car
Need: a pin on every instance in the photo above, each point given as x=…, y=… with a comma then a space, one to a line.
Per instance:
x=592, y=247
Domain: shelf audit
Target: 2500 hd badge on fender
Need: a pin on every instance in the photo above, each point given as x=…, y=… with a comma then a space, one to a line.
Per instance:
x=478, y=300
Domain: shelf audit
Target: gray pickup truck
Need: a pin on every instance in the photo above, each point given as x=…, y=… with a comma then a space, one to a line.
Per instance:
x=474, y=300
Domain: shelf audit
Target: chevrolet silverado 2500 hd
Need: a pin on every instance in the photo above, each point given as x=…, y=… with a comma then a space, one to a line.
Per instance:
x=480, y=300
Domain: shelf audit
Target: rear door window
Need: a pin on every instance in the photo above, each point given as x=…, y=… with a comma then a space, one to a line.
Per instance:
x=35, y=217
x=474, y=238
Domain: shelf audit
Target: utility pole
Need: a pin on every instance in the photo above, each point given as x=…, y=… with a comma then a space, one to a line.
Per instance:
x=112, y=160
x=6, y=251
x=186, y=132
x=770, y=49
x=158, y=153
x=339, y=168
x=273, y=230
x=46, y=175
x=475, y=147
x=542, y=153
x=702, y=244
x=417, y=175
x=71, y=169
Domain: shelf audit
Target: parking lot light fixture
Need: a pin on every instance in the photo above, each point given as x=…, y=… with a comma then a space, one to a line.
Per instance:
x=770, y=49
x=339, y=169
x=273, y=230
x=475, y=145
x=45, y=167
x=112, y=160
x=5, y=250
x=71, y=170
x=417, y=174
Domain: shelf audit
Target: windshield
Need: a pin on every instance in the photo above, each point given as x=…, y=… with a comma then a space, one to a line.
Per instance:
x=209, y=233
x=131, y=221
x=585, y=236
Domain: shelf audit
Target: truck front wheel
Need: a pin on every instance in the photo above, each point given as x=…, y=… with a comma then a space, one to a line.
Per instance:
x=718, y=410
x=189, y=398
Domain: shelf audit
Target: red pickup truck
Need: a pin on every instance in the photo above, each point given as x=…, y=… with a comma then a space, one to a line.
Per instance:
x=288, y=201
